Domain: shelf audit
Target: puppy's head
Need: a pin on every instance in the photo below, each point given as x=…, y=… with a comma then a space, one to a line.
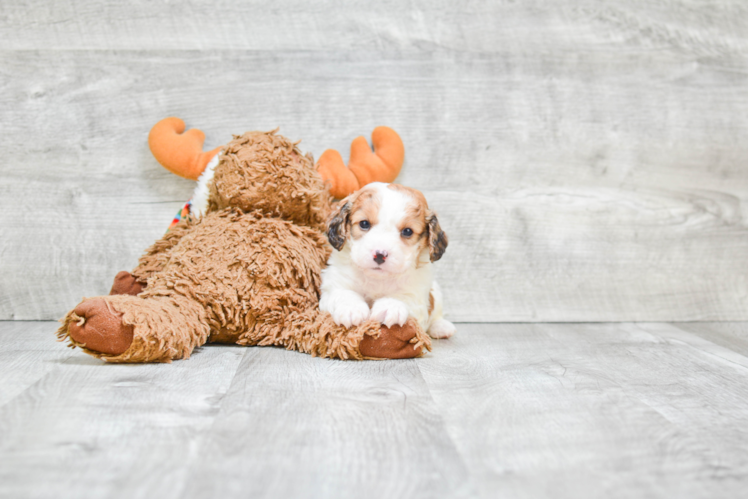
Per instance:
x=388, y=229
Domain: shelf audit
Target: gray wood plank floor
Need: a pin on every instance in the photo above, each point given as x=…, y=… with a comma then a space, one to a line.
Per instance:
x=613, y=410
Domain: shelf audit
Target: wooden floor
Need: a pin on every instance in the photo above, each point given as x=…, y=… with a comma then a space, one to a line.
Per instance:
x=611, y=409
x=587, y=159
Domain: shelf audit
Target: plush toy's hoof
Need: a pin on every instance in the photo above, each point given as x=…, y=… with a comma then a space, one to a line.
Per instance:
x=392, y=343
x=100, y=329
x=126, y=284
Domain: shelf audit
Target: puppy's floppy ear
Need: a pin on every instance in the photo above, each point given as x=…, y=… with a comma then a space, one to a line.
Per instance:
x=438, y=240
x=337, y=226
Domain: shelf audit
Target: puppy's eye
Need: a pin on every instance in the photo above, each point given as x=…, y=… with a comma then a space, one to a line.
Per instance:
x=406, y=233
x=364, y=224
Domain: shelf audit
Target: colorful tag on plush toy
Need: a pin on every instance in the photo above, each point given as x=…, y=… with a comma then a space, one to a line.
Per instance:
x=182, y=214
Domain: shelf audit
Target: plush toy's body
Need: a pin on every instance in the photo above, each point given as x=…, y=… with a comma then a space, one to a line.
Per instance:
x=245, y=272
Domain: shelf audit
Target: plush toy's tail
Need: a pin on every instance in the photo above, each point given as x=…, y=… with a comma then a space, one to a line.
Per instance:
x=180, y=153
x=364, y=166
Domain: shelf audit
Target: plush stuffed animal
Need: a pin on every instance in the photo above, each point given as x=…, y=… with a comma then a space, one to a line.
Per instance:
x=181, y=152
x=243, y=267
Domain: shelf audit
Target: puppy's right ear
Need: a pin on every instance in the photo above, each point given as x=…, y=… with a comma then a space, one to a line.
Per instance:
x=337, y=226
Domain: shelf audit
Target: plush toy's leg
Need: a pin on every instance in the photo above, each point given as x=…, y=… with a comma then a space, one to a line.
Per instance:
x=99, y=328
x=126, y=284
x=314, y=332
x=153, y=261
x=396, y=342
x=157, y=255
x=127, y=329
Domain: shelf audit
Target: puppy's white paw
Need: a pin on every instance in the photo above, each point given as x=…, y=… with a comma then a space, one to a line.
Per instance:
x=441, y=329
x=351, y=313
x=390, y=312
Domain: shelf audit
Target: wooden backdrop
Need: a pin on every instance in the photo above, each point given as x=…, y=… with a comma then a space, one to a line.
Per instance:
x=588, y=159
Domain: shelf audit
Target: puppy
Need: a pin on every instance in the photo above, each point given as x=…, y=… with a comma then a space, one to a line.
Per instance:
x=385, y=239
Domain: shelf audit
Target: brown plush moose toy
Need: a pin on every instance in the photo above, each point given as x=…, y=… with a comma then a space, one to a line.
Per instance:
x=244, y=268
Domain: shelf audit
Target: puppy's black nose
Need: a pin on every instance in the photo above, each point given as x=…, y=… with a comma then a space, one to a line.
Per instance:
x=379, y=257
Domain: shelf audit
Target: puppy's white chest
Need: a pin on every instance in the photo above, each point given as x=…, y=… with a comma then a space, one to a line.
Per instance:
x=413, y=285
x=372, y=290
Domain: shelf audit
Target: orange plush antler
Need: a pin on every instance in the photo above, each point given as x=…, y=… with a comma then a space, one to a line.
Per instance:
x=180, y=153
x=364, y=166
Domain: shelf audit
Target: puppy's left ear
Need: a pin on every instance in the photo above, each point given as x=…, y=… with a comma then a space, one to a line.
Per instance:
x=338, y=224
x=438, y=240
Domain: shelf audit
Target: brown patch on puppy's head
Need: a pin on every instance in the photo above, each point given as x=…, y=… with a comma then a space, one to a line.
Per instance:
x=364, y=207
x=415, y=215
x=267, y=172
x=359, y=206
x=423, y=222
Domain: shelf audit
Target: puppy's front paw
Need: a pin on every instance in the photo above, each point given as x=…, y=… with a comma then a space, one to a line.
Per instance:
x=389, y=312
x=351, y=313
x=441, y=329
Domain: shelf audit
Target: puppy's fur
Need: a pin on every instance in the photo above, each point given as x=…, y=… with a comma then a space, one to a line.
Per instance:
x=385, y=239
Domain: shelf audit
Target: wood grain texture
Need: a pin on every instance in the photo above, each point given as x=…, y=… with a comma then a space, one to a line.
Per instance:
x=519, y=410
x=593, y=410
x=298, y=426
x=87, y=429
x=587, y=158
x=28, y=353
x=733, y=336
x=477, y=26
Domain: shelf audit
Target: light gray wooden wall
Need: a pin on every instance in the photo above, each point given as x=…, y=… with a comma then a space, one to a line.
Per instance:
x=589, y=160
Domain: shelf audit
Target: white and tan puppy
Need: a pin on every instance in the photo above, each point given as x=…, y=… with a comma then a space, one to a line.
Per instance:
x=385, y=239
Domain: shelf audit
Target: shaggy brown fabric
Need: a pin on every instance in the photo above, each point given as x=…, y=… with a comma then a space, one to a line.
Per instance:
x=157, y=255
x=163, y=328
x=267, y=172
x=248, y=272
x=263, y=290
x=244, y=269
